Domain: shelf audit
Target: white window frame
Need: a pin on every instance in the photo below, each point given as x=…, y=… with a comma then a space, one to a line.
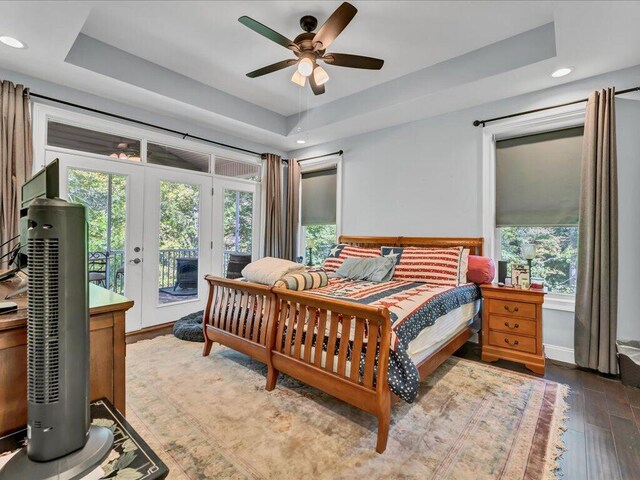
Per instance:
x=42, y=114
x=557, y=119
x=315, y=165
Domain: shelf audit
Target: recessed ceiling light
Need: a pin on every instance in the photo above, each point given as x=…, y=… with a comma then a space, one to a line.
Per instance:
x=12, y=42
x=301, y=142
x=561, y=72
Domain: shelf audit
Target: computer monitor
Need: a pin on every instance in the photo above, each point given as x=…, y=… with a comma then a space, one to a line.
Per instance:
x=44, y=184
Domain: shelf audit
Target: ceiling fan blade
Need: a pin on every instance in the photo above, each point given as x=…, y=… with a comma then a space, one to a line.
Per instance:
x=317, y=89
x=334, y=25
x=267, y=32
x=274, y=67
x=353, y=61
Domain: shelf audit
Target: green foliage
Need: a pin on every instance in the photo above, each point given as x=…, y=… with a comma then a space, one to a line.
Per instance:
x=320, y=238
x=556, y=254
x=238, y=204
x=179, y=215
x=91, y=189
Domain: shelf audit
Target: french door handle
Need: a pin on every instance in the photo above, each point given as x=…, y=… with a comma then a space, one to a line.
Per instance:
x=135, y=260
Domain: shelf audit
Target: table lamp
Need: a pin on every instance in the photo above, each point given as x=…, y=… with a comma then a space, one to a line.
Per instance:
x=529, y=253
x=311, y=245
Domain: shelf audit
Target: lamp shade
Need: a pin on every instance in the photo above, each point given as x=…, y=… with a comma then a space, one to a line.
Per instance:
x=320, y=75
x=298, y=78
x=305, y=66
x=529, y=251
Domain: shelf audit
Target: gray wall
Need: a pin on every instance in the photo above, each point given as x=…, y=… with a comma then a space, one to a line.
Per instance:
x=61, y=92
x=424, y=178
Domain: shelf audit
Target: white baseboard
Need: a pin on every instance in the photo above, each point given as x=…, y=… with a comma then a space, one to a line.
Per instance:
x=562, y=354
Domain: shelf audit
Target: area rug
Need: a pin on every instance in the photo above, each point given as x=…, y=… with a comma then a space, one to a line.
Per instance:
x=210, y=417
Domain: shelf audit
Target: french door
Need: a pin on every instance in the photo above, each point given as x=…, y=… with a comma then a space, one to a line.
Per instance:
x=149, y=233
x=112, y=193
x=177, y=244
x=236, y=228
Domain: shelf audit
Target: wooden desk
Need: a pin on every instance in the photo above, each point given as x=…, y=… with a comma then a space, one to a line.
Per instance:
x=107, y=323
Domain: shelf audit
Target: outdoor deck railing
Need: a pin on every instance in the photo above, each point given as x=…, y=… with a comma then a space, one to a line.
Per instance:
x=114, y=275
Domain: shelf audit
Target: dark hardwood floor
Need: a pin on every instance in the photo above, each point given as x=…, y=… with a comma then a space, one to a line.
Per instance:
x=603, y=426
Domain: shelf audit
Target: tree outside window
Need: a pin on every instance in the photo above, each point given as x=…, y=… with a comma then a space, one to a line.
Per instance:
x=556, y=261
x=320, y=239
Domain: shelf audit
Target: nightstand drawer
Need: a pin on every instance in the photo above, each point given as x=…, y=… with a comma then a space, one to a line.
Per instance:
x=512, y=342
x=512, y=308
x=512, y=325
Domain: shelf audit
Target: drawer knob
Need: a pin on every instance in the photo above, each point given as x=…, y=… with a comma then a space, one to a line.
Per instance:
x=506, y=340
x=515, y=325
x=515, y=309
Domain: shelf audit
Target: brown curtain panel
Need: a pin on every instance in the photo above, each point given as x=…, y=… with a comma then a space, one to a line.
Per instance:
x=597, y=286
x=15, y=159
x=273, y=208
x=293, y=211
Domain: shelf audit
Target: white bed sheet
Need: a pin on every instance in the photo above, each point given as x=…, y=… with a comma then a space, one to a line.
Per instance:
x=432, y=338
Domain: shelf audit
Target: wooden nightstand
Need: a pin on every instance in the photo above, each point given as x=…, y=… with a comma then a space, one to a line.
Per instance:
x=512, y=326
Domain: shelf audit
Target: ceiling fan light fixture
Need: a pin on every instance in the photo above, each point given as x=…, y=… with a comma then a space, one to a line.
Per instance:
x=299, y=78
x=305, y=66
x=320, y=75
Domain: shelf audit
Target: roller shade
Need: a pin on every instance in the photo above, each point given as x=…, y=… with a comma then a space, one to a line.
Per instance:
x=538, y=179
x=318, y=197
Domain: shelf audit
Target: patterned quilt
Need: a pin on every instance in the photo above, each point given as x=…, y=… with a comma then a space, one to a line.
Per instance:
x=413, y=306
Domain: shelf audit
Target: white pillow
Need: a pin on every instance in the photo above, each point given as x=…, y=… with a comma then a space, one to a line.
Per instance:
x=464, y=266
x=269, y=270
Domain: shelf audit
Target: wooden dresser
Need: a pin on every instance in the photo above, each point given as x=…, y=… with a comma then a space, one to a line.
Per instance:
x=512, y=326
x=107, y=321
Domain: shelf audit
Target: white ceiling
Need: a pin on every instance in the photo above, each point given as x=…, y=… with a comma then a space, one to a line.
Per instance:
x=206, y=45
x=205, y=41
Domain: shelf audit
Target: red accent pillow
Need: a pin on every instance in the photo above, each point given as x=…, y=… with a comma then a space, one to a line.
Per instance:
x=341, y=251
x=481, y=269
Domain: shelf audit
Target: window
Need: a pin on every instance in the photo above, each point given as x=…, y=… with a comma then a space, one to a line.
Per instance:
x=177, y=157
x=91, y=141
x=237, y=226
x=318, y=208
x=556, y=261
x=537, y=202
x=235, y=169
x=318, y=240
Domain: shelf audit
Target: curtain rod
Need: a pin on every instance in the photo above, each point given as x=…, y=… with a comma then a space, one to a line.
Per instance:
x=339, y=152
x=477, y=123
x=140, y=122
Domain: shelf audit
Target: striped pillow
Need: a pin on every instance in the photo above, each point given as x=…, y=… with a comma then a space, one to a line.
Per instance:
x=437, y=266
x=341, y=251
x=303, y=281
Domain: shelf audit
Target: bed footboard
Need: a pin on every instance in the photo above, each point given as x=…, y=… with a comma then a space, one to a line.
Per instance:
x=239, y=316
x=339, y=347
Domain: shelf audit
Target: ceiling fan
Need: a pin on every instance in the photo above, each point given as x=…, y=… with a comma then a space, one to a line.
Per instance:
x=310, y=47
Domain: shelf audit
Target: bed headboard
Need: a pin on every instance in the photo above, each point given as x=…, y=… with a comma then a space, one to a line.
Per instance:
x=474, y=244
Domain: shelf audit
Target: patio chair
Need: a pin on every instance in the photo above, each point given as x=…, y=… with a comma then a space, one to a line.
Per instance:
x=98, y=268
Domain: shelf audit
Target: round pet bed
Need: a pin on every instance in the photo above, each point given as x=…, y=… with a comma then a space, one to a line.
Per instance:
x=190, y=327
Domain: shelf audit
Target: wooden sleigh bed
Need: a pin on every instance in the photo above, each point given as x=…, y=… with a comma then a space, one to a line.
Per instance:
x=278, y=327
